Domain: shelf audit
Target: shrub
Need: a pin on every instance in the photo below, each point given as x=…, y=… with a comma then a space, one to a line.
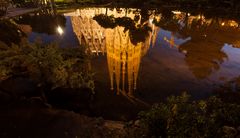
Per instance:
x=180, y=117
x=13, y=34
x=48, y=65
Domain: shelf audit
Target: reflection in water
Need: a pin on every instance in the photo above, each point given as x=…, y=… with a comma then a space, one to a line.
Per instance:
x=184, y=50
x=208, y=36
x=123, y=59
x=42, y=22
x=203, y=58
x=60, y=30
x=171, y=41
x=89, y=32
x=123, y=56
x=201, y=40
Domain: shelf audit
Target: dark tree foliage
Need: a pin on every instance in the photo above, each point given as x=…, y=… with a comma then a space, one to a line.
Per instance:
x=47, y=65
x=105, y=21
x=180, y=117
x=26, y=3
x=167, y=22
x=136, y=33
x=9, y=32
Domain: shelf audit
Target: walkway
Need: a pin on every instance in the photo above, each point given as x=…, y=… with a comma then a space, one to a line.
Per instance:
x=13, y=12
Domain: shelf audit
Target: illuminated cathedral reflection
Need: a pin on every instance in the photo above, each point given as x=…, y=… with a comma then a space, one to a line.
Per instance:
x=123, y=57
x=177, y=31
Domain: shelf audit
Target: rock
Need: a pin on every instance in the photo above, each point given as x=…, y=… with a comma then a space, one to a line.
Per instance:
x=229, y=131
x=114, y=125
x=137, y=123
x=39, y=102
x=25, y=28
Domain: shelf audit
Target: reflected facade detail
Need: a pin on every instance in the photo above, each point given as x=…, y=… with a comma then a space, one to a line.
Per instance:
x=136, y=49
x=123, y=57
x=123, y=60
x=193, y=35
x=89, y=33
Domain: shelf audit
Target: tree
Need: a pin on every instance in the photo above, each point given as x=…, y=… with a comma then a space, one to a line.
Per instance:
x=47, y=65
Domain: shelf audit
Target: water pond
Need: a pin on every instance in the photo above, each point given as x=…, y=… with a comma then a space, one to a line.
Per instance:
x=145, y=55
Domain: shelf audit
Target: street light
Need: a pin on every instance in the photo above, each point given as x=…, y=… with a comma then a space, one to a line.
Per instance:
x=60, y=30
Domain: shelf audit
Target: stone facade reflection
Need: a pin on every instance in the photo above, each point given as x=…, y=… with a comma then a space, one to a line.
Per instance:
x=123, y=57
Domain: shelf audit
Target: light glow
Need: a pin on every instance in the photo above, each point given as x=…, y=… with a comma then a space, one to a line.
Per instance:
x=60, y=30
x=151, y=21
x=176, y=12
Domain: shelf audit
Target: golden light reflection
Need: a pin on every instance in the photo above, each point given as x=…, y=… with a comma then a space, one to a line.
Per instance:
x=123, y=60
x=201, y=18
x=171, y=41
x=176, y=12
x=60, y=30
x=123, y=57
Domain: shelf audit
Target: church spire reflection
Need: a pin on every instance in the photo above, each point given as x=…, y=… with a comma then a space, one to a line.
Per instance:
x=123, y=60
x=89, y=33
x=123, y=57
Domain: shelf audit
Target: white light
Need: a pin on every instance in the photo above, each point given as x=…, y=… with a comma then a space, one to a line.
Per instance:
x=151, y=21
x=176, y=12
x=59, y=30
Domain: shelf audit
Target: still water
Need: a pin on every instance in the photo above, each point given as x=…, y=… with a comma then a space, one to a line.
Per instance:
x=148, y=54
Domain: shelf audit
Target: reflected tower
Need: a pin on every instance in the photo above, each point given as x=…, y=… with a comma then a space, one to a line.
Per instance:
x=123, y=60
x=89, y=33
x=123, y=57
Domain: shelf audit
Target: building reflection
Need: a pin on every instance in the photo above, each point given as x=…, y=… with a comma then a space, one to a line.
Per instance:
x=123, y=57
x=204, y=54
x=123, y=60
x=90, y=33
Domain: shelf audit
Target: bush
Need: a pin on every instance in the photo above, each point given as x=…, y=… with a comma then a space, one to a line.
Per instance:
x=48, y=65
x=13, y=34
x=180, y=117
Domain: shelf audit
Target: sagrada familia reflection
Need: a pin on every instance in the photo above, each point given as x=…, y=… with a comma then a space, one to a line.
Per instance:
x=123, y=57
x=123, y=60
